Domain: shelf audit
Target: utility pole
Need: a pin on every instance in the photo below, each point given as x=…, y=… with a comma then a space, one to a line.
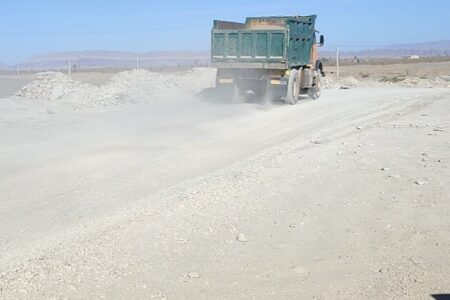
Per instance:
x=137, y=62
x=69, y=66
x=337, y=60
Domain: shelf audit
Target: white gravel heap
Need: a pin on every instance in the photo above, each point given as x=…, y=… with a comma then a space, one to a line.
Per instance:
x=137, y=86
x=50, y=86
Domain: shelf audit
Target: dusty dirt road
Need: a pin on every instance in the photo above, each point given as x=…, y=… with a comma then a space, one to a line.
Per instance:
x=345, y=197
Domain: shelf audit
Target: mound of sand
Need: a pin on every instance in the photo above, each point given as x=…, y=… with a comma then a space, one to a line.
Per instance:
x=59, y=88
x=50, y=86
x=137, y=86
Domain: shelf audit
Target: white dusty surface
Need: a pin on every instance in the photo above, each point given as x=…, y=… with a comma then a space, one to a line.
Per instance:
x=182, y=198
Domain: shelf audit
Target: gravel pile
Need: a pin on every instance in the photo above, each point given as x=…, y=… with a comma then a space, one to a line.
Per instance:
x=51, y=86
x=137, y=86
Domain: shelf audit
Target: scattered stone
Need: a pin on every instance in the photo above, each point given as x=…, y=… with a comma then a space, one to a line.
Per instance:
x=50, y=111
x=292, y=225
x=344, y=88
x=385, y=169
x=358, y=127
x=419, y=182
x=193, y=275
x=395, y=176
x=241, y=238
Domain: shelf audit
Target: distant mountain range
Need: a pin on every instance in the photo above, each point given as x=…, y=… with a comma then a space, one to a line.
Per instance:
x=4, y=67
x=117, y=59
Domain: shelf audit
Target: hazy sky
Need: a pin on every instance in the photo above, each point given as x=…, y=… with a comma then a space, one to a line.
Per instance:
x=42, y=26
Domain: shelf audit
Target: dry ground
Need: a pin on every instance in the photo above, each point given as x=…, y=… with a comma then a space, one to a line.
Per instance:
x=344, y=197
x=378, y=72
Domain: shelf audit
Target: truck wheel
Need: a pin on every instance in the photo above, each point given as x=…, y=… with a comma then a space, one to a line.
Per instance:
x=293, y=88
x=315, y=91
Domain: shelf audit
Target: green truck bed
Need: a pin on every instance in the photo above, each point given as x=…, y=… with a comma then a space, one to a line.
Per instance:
x=263, y=43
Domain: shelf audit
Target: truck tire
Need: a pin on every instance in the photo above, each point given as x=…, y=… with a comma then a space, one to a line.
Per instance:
x=315, y=91
x=293, y=88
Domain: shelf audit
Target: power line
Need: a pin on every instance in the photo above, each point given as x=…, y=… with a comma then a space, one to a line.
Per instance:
x=98, y=32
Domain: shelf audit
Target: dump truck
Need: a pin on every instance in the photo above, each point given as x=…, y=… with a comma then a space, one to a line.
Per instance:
x=268, y=58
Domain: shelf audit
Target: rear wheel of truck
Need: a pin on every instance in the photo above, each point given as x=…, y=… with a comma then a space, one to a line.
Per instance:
x=316, y=90
x=293, y=88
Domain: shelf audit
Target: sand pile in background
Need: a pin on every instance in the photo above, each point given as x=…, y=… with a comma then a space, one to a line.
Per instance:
x=137, y=86
x=146, y=85
x=50, y=86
